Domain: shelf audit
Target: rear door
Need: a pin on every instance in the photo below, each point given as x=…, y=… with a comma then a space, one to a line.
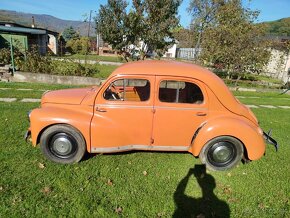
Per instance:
x=181, y=106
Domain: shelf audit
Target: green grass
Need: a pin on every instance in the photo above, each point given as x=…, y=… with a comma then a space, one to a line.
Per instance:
x=263, y=98
x=96, y=58
x=36, y=92
x=31, y=186
x=105, y=71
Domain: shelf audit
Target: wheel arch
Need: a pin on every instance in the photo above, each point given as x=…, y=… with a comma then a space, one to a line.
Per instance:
x=250, y=136
x=54, y=124
x=43, y=118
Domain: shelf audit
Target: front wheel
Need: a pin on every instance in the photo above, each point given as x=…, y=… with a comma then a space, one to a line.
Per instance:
x=222, y=153
x=62, y=144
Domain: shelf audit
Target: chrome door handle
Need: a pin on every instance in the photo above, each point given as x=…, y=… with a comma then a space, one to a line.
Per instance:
x=201, y=113
x=101, y=109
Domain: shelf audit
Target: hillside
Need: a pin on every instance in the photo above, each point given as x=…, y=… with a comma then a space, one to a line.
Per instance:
x=279, y=27
x=46, y=21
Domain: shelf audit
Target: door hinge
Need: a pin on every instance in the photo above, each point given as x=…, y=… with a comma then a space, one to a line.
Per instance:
x=153, y=110
x=152, y=141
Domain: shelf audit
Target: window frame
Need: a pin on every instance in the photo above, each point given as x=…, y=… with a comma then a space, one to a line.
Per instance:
x=126, y=80
x=196, y=82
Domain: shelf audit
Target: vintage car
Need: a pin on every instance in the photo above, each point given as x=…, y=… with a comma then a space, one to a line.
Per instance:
x=149, y=106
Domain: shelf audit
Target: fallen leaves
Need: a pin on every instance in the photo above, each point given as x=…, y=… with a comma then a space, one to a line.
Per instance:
x=262, y=206
x=227, y=190
x=41, y=165
x=161, y=214
x=200, y=216
x=118, y=210
x=46, y=190
x=145, y=173
x=109, y=182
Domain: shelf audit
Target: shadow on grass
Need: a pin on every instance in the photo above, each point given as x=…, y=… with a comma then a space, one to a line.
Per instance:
x=206, y=206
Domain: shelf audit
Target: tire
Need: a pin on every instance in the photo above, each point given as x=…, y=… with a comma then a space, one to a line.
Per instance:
x=222, y=153
x=62, y=144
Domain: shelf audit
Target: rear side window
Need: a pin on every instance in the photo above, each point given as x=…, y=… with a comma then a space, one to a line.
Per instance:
x=180, y=92
x=128, y=90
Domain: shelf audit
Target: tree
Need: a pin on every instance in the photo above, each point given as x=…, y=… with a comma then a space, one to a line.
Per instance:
x=69, y=33
x=110, y=23
x=233, y=41
x=186, y=38
x=148, y=21
x=78, y=46
x=203, y=13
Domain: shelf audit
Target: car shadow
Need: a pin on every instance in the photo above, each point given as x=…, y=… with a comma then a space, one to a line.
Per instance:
x=206, y=206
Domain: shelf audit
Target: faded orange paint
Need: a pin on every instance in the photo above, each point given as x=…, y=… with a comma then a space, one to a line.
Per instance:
x=113, y=126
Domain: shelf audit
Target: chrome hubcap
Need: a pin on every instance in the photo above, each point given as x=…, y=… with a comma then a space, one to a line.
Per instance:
x=62, y=146
x=221, y=154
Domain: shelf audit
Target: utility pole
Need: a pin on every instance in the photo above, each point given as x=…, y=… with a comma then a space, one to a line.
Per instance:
x=88, y=41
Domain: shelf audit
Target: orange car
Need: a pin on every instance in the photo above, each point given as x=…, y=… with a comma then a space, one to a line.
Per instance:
x=151, y=106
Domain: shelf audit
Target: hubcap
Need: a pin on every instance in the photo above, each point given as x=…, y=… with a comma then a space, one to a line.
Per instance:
x=221, y=153
x=62, y=146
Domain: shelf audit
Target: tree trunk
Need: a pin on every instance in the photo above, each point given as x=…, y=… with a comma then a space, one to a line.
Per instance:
x=237, y=80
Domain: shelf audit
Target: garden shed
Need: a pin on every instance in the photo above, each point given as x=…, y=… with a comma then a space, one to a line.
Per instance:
x=24, y=38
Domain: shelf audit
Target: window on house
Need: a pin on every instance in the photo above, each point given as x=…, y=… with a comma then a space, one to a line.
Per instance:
x=180, y=92
x=128, y=90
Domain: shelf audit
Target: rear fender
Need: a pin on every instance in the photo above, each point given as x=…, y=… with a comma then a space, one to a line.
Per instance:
x=251, y=136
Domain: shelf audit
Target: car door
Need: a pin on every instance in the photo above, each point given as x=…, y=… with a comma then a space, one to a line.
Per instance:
x=181, y=106
x=123, y=114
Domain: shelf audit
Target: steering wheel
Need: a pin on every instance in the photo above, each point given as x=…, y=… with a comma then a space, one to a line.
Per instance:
x=114, y=92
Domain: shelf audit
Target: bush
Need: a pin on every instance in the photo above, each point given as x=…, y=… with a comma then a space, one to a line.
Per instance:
x=69, y=68
x=36, y=63
x=5, y=57
x=78, y=46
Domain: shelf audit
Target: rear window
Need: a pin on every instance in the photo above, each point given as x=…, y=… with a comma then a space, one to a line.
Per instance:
x=172, y=91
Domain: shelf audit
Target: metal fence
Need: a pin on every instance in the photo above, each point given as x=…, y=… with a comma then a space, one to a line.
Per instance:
x=185, y=53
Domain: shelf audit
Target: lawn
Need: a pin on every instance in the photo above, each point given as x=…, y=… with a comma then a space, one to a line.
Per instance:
x=139, y=184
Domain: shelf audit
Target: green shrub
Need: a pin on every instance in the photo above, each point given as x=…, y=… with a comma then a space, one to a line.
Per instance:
x=69, y=68
x=5, y=57
x=36, y=63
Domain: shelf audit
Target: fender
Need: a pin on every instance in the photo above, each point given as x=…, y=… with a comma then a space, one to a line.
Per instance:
x=41, y=118
x=251, y=136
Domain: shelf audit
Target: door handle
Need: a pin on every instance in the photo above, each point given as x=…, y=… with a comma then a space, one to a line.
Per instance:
x=101, y=109
x=200, y=113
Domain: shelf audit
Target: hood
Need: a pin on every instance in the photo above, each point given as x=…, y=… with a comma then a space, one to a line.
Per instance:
x=66, y=96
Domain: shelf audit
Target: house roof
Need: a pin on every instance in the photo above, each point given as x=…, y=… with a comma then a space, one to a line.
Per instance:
x=10, y=29
x=17, y=28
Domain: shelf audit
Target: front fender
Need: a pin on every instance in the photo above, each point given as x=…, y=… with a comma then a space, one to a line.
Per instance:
x=251, y=136
x=42, y=118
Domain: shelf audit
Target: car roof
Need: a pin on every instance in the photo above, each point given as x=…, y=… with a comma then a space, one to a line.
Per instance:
x=157, y=67
x=182, y=69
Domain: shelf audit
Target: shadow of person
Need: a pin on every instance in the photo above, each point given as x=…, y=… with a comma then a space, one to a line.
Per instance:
x=206, y=206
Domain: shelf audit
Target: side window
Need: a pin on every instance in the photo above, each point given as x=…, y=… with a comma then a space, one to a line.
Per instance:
x=128, y=90
x=180, y=92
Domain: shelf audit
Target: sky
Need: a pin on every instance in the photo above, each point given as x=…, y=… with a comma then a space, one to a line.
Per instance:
x=76, y=9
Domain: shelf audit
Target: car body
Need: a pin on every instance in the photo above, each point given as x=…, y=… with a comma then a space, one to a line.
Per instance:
x=150, y=106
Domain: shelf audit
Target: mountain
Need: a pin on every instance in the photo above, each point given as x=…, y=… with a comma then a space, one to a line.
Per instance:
x=47, y=22
x=278, y=27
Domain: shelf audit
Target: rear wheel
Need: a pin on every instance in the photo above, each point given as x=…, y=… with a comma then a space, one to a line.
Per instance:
x=62, y=144
x=222, y=153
